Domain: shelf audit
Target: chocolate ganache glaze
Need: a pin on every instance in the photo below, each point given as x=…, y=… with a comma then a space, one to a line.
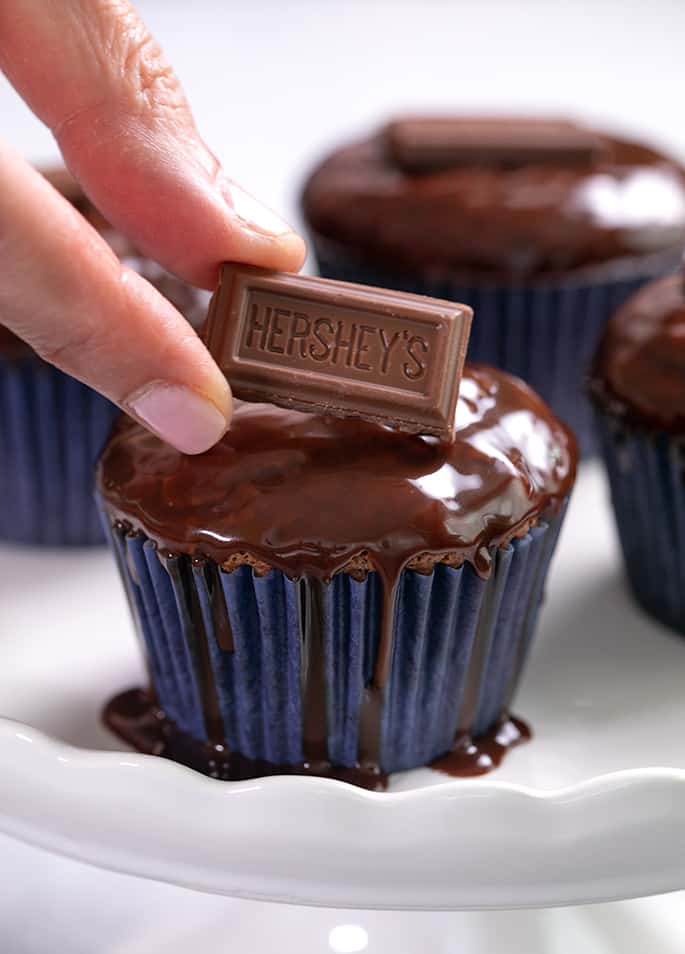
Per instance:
x=506, y=220
x=315, y=496
x=639, y=371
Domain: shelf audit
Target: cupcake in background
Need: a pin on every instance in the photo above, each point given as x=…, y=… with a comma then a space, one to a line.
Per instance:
x=544, y=227
x=52, y=427
x=332, y=597
x=637, y=384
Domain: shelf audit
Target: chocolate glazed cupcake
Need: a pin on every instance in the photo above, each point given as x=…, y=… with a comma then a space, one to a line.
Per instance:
x=52, y=427
x=543, y=227
x=328, y=596
x=638, y=387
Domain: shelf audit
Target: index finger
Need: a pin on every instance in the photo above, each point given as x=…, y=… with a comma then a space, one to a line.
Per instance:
x=91, y=70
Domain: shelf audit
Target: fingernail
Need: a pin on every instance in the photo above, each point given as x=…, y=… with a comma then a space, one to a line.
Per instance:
x=252, y=212
x=181, y=417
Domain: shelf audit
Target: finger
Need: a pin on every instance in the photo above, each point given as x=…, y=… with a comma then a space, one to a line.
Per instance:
x=64, y=291
x=124, y=127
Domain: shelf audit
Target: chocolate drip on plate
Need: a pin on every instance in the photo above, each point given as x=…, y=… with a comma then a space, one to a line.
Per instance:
x=136, y=718
x=471, y=757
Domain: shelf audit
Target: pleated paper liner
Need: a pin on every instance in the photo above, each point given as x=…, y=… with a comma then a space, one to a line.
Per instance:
x=254, y=675
x=647, y=479
x=544, y=332
x=52, y=429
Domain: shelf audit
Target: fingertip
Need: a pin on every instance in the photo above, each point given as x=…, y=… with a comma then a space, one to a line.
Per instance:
x=271, y=241
x=189, y=421
x=284, y=253
x=222, y=398
x=294, y=252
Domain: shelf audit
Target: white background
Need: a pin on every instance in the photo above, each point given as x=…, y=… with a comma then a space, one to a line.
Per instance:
x=273, y=84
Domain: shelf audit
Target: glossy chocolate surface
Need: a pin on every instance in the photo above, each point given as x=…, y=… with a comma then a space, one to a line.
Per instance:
x=504, y=219
x=334, y=348
x=309, y=494
x=190, y=301
x=639, y=371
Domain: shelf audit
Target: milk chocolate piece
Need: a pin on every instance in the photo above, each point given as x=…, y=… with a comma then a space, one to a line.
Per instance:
x=341, y=349
x=428, y=143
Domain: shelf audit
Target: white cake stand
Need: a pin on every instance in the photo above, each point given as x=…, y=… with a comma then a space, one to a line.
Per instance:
x=119, y=914
x=593, y=809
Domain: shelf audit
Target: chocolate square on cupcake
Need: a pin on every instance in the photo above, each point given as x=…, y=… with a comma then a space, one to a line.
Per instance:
x=543, y=226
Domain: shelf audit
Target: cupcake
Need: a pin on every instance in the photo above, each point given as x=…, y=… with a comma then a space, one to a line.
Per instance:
x=328, y=596
x=543, y=227
x=52, y=427
x=638, y=387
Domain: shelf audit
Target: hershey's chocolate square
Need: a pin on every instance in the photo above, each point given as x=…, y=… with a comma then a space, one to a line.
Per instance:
x=336, y=348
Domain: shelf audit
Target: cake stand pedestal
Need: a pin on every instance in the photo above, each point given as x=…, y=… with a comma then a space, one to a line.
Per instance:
x=85, y=910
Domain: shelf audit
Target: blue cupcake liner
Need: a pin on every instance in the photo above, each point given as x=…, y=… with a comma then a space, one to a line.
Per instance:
x=459, y=644
x=647, y=480
x=52, y=429
x=545, y=333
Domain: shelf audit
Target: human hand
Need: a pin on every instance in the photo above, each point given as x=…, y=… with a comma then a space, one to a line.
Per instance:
x=94, y=74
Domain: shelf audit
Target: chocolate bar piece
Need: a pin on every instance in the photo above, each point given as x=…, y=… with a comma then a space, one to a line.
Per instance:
x=428, y=143
x=337, y=348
